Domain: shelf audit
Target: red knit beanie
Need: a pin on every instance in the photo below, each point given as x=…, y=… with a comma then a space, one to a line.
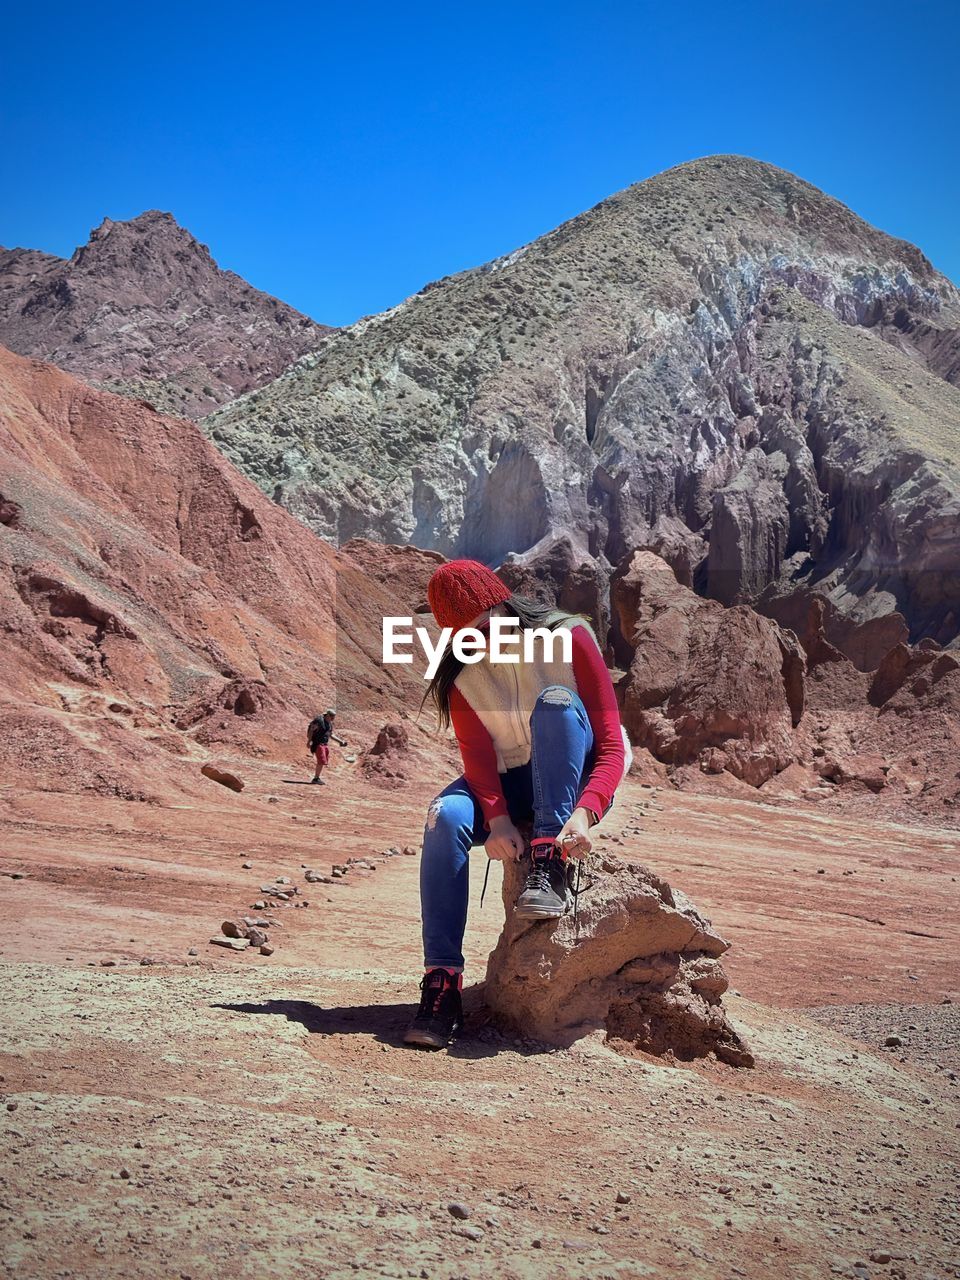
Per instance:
x=461, y=589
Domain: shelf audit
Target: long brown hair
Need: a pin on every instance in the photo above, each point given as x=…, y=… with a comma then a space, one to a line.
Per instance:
x=531, y=613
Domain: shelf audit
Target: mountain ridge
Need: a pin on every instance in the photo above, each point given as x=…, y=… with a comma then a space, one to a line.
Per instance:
x=143, y=309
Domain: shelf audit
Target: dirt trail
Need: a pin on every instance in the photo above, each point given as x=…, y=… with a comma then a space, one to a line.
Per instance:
x=236, y=1114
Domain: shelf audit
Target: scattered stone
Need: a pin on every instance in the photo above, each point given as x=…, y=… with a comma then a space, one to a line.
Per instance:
x=124, y=1173
x=256, y=937
x=246, y=865
x=230, y=929
x=266, y=949
x=108, y=964
x=12, y=1106
x=283, y=880
x=193, y=952
x=219, y=775
x=147, y=960
x=235, y=944
x=623, y=1197
x=409, y=851
x=273, y=799
x=470, y=1233
x=458, y=1210
x=893, y=1042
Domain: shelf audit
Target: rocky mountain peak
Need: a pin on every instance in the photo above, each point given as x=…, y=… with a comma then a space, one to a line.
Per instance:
x=143, y=308
x=721, y=360
x=151, y=237
x=151, y=253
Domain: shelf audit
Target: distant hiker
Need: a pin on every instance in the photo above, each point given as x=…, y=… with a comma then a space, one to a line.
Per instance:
x=319, y=733
x=541, y=743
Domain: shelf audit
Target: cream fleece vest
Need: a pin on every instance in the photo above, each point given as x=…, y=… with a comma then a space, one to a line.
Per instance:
x=503, y=695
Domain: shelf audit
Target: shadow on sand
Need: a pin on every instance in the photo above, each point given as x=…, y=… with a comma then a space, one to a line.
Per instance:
x=386, y=1023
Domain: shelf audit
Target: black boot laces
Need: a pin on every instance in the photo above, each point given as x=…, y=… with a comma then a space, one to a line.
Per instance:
x=432, y=996
x=539, y=879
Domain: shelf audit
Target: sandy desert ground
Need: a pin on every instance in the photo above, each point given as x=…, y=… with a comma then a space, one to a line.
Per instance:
x=225, y=1114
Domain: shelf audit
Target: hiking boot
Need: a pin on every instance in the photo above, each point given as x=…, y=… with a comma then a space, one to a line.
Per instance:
x=546, y=894
x=440, y=1015
x=317, y=782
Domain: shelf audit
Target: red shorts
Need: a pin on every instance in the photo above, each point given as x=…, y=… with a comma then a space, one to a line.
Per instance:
x=323, y=754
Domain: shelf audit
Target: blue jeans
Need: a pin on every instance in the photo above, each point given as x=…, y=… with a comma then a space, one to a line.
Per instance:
x=544, y=791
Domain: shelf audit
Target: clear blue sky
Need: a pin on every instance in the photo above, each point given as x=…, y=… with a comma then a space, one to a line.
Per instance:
x=340, y=156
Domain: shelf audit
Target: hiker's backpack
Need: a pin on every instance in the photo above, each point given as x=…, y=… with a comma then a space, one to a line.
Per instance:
x=318, y=733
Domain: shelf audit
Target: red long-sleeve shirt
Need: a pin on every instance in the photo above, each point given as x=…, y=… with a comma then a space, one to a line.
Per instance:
x=596, y=692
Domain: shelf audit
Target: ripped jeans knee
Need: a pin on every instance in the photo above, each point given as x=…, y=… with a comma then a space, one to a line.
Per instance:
x=434, y=812
x=449, y=813
x=556, y=695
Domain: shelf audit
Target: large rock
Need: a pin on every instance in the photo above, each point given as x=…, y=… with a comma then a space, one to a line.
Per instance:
x=722, y=686
x=825, y=632
x=558, y=573
x=639, y=962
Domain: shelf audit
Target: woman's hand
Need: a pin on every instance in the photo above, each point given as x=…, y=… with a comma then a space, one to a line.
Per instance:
x=504, y=843
x=574, y=839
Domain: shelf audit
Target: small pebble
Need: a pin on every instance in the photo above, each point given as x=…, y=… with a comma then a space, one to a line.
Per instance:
x=458, y=1210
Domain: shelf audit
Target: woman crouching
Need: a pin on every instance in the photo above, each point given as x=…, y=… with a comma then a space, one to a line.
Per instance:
x=541, y=744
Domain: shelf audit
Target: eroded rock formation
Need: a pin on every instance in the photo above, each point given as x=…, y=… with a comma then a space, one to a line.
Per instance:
x=719, y=686
x=153, y=602
x=639, y=962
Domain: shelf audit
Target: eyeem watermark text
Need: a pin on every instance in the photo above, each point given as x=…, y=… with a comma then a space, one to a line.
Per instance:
x=502, y=640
